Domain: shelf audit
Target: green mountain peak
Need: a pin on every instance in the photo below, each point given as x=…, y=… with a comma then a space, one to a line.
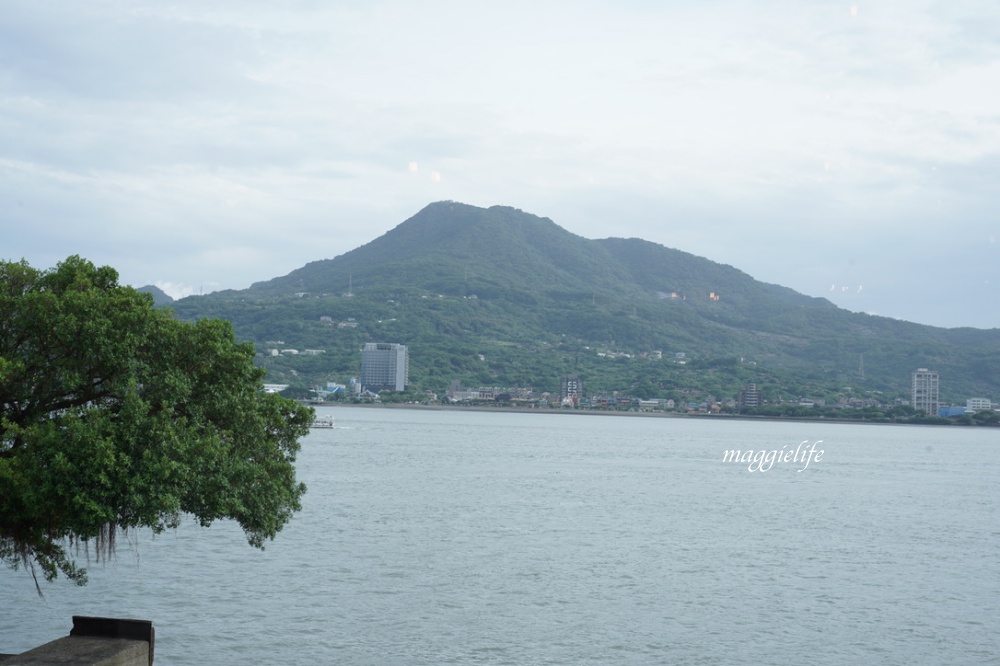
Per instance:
x=461, y=283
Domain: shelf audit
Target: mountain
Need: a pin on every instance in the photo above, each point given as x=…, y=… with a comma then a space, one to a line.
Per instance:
x=496, y=296
x=450, y=247
x=160, y=297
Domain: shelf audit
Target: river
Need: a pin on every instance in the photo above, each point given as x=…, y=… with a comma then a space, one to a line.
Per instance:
x=452, y=537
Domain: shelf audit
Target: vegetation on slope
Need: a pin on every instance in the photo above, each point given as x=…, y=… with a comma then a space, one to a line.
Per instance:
x=500, y=297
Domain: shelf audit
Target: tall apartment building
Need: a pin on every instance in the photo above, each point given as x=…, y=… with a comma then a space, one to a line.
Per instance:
x=749, y=396
x=385, y=366
x=925, y=391
x=571, y=388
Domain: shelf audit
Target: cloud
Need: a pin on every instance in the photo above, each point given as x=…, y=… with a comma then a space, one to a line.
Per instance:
x=228, y=143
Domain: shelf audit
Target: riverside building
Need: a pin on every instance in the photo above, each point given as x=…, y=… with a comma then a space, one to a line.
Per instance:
x=925, y=391
x=385, y=366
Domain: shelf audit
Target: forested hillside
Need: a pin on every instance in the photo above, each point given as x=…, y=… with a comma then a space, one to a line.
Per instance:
x=500, y=297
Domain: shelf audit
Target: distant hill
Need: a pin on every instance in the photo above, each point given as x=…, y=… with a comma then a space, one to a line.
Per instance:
x=159, y=296
x=452, y=248
x=500, y=297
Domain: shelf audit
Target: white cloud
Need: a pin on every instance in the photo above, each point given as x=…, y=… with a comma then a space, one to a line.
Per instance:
x=175, y=291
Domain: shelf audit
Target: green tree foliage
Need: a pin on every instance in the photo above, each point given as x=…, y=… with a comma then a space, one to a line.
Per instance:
x=116, y=415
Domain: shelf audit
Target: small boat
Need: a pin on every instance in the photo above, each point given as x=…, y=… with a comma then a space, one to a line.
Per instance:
x=322, y=421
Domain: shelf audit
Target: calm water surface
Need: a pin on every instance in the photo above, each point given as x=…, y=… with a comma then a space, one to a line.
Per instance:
x=444, y=537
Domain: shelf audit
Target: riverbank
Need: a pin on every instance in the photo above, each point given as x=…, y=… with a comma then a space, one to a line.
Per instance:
x=641, y=414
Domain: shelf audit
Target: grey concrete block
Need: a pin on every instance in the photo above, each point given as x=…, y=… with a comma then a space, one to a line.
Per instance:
x=85, y=651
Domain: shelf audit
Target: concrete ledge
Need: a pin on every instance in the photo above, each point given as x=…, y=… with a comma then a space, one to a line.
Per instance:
x=85, y=651
x=94, y=641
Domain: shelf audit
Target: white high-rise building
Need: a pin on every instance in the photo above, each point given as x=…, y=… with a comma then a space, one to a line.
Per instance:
x=385, y=366
x=925, y=391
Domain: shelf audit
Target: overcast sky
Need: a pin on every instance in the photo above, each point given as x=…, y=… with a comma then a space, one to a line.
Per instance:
x=845, y=150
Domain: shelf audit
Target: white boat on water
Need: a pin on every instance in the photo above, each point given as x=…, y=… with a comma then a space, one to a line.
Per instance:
x=322, y=421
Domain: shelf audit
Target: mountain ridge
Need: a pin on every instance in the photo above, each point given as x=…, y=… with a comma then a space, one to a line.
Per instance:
x=460, y=231
x=462, y=282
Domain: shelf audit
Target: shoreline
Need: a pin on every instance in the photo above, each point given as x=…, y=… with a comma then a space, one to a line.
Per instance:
x=609, y=412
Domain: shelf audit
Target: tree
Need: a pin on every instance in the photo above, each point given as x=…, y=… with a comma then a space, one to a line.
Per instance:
x=115, y=415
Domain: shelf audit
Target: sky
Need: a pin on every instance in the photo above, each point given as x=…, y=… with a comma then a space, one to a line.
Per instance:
x=848, y=150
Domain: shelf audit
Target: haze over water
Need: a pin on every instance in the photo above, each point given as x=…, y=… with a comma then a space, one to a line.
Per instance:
x=436, y=537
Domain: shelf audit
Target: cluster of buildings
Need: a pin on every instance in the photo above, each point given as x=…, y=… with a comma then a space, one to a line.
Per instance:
x=925, y=396
x=386, y=367
x=570, y=394
x=459, y=393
